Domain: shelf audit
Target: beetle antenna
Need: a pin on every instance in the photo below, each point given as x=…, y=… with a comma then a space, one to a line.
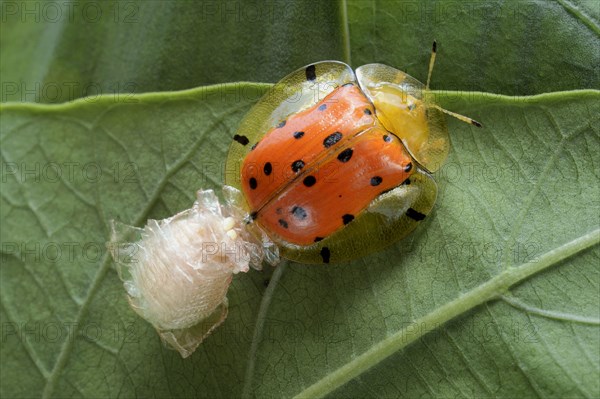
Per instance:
x=431, y=63
x=457, y=116
x=460, y=117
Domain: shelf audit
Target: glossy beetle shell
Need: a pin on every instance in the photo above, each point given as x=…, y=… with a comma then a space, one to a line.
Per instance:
x=334, y=165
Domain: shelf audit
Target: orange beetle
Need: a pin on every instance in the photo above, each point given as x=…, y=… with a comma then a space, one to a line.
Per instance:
x=334, y=164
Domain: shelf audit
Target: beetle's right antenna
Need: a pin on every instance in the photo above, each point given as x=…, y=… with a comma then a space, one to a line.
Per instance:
x=460, y=117
x=431, y=63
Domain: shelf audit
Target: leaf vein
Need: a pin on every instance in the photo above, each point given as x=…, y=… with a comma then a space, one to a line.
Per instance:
x=549, y=314
x=441, y=315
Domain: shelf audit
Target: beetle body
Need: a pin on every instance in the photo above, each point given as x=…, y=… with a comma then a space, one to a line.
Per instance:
x=334, y=164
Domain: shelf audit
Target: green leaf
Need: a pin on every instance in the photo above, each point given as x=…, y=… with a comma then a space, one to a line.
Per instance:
x=61, y=51
x=496, y=295
x=516, y=198
x=508, y=47
x=69, y=169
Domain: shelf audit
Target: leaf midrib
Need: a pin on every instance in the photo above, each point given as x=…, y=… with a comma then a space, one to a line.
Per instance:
x=580, y=15
x=190, y=94
x=485, y=292
x=105, y=263
x=157, y=97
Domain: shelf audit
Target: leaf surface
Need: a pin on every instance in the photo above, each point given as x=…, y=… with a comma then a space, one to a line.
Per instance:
x=496, y=295
x=61, y=51
x=68, y=169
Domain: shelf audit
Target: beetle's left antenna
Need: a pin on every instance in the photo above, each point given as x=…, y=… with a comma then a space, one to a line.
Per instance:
x=431, y=63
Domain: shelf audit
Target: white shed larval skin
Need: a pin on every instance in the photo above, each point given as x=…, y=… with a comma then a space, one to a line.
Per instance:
x=177, y=271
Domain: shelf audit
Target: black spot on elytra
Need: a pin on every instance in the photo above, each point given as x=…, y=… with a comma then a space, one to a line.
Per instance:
x=317, y=239
x=387, y=138
x=322, y=107
x=332, y=139
x=415, y=215
x=347, y=218
x=297, y=165
x=253, y=183
x=311, y=73
x=325, y=254
x=299, y=212
x=345, y=155
x=368, y=111
x=309, y=181
x=376, y=180
x=243, y=140
x=283, y=223
x=298, y=135
x=281, y=124
x=268, y=168
x=408, y=167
